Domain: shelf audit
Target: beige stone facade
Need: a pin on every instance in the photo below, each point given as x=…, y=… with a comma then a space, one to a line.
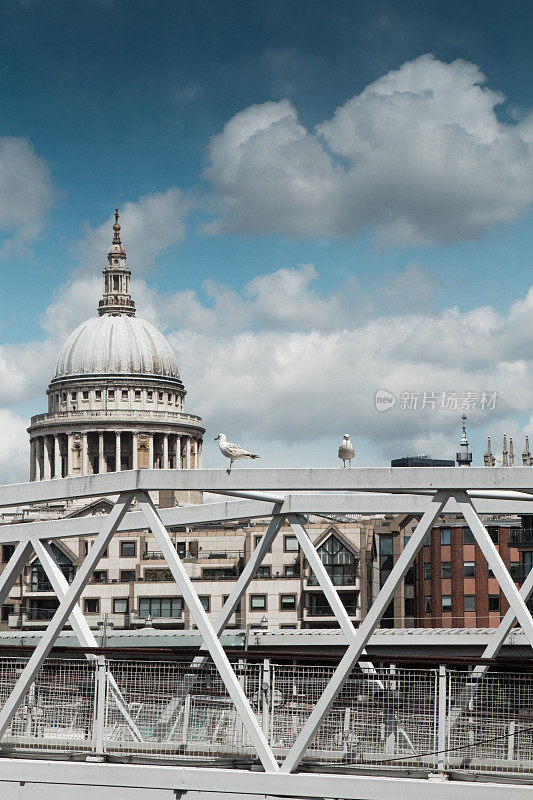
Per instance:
x=132, y=585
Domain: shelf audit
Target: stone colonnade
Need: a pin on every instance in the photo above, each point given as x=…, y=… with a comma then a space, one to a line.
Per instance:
x=60, y=455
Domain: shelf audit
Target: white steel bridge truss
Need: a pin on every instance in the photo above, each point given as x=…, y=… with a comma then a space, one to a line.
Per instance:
x=285, y=496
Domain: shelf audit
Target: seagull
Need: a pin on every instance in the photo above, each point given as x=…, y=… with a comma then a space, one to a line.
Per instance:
x=232, y=451
x=346, y=451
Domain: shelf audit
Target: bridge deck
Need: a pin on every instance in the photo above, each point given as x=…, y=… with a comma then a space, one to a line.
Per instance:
x=182, y=714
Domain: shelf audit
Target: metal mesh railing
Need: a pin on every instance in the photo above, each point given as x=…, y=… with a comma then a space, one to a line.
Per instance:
x=494, y=725
x=384, y=719
x=57, y=712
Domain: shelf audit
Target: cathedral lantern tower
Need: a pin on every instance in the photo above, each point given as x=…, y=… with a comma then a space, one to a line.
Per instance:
x=116, y=400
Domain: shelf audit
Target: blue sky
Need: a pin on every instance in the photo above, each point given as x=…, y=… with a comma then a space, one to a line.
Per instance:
x=151, y=107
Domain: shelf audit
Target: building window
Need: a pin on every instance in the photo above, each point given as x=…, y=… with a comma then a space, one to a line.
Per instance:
x=427, y=604
x=494, y=534
x=87, y=546
x=445, y=536
x=7, y=551
x=111, y=394
x=514, y=570
x=446, y=569
x=120, y=605
x=427, y=570
x=290, y=543
x=264, y=571
x=149, y=396
x=219, y=573
x=427, y=540
x=470, y=602
x=258, y=602
x=63, y=395
x=318, y=606
x=85, y=395
x=181, y=549
x=125, y=394
x=160, y=396
x=205, y=600
x=340, y=563
x=98, y=394
x=39, y=578
x=257, y=539
x=99, y=576
x=287, y=602
x=494, y=602
x=386, y=546
x=91, y=605
x=73, y=395
x=137, y=394
x=127, y=575
x=161, y=607
x=446, y=602
x=468, y=536
x=128, y=548
x=291, y=571
x=469, y=569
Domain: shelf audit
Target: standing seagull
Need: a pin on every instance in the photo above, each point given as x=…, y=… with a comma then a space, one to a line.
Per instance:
x=346, y=451
x=232, y=451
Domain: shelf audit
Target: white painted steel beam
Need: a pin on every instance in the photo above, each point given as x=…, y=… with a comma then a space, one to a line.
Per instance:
x=80, y=626
x=504, y=628
x=248, y=573
x=494, y=561
x=211, y=640
x=244, y=509
x=53, y=630
x=218, y=781
x=380, y=479
x=332, y=596
x=233, y=600
x=364, y=632
x=13, y=568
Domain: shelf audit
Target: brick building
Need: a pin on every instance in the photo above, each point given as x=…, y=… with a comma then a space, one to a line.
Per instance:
x=453, y=585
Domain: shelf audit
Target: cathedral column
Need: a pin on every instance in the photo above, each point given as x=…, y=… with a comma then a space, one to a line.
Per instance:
x=57, y=457
x=40, y=457
x=134, y=450
x=69, y=454
x=195, y=454
x=165, y=451
x=188, y=453
x=47, y=460
x=118, y=452
x=200, y=454
x=84, y=454
x=102, y=467
x=33, y=460
x=150, y=451
x=177, y=453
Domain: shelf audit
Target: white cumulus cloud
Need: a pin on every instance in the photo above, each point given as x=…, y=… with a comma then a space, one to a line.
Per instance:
x=26, y=194
x=420, y=156
x=14, y=447
x=150, y=225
